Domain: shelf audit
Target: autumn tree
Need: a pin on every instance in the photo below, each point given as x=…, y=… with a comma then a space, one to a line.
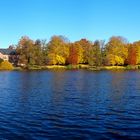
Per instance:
x=132, y=55
x=57, y=50
x=88, y=52
x=114, y=60
x=136, y=45
x=116, y=51
x=73, y=54
x=79, y=50
x=30, y=52
x=25, y=50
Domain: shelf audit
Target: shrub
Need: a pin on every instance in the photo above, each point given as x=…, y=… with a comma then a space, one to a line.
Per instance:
x=131, y=67
x=5, y=65
x=73, y=67
x=138, y=66
x=1, y=60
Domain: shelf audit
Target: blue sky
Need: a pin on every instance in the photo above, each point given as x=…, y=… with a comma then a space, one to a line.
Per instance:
x=75, y=19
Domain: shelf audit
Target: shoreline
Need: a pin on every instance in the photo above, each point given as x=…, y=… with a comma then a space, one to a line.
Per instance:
x=77, y=67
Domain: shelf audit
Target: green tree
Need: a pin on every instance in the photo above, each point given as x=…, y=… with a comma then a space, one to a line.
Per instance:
x=98, y=45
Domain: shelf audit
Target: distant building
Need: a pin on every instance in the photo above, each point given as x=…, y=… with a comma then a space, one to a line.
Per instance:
x=3, y=56
x=9, y=55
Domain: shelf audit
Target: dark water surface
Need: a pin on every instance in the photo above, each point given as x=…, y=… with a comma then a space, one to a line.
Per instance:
x=69, y=105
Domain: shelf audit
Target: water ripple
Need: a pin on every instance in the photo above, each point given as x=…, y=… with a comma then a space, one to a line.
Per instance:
x=69, y=105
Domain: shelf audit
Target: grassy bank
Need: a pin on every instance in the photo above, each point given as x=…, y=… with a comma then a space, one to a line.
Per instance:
x=53, y=67
x=129, y=67
x=115, y=68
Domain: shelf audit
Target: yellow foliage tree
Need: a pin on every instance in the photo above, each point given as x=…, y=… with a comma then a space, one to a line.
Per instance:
x=117, y=51
x=60, y=60
x=52, y=59
x=5, y=65
x=119, y=60
x=58, y=51
x=80, y=51
x=114, y=60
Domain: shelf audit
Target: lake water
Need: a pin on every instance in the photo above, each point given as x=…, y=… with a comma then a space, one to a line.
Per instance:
x=70, y=105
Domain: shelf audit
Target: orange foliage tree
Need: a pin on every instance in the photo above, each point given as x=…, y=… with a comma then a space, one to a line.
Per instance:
x=132, y=58
x=73, y=55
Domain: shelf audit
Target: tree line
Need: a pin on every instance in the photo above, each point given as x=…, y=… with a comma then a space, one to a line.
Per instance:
x=60, y=51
